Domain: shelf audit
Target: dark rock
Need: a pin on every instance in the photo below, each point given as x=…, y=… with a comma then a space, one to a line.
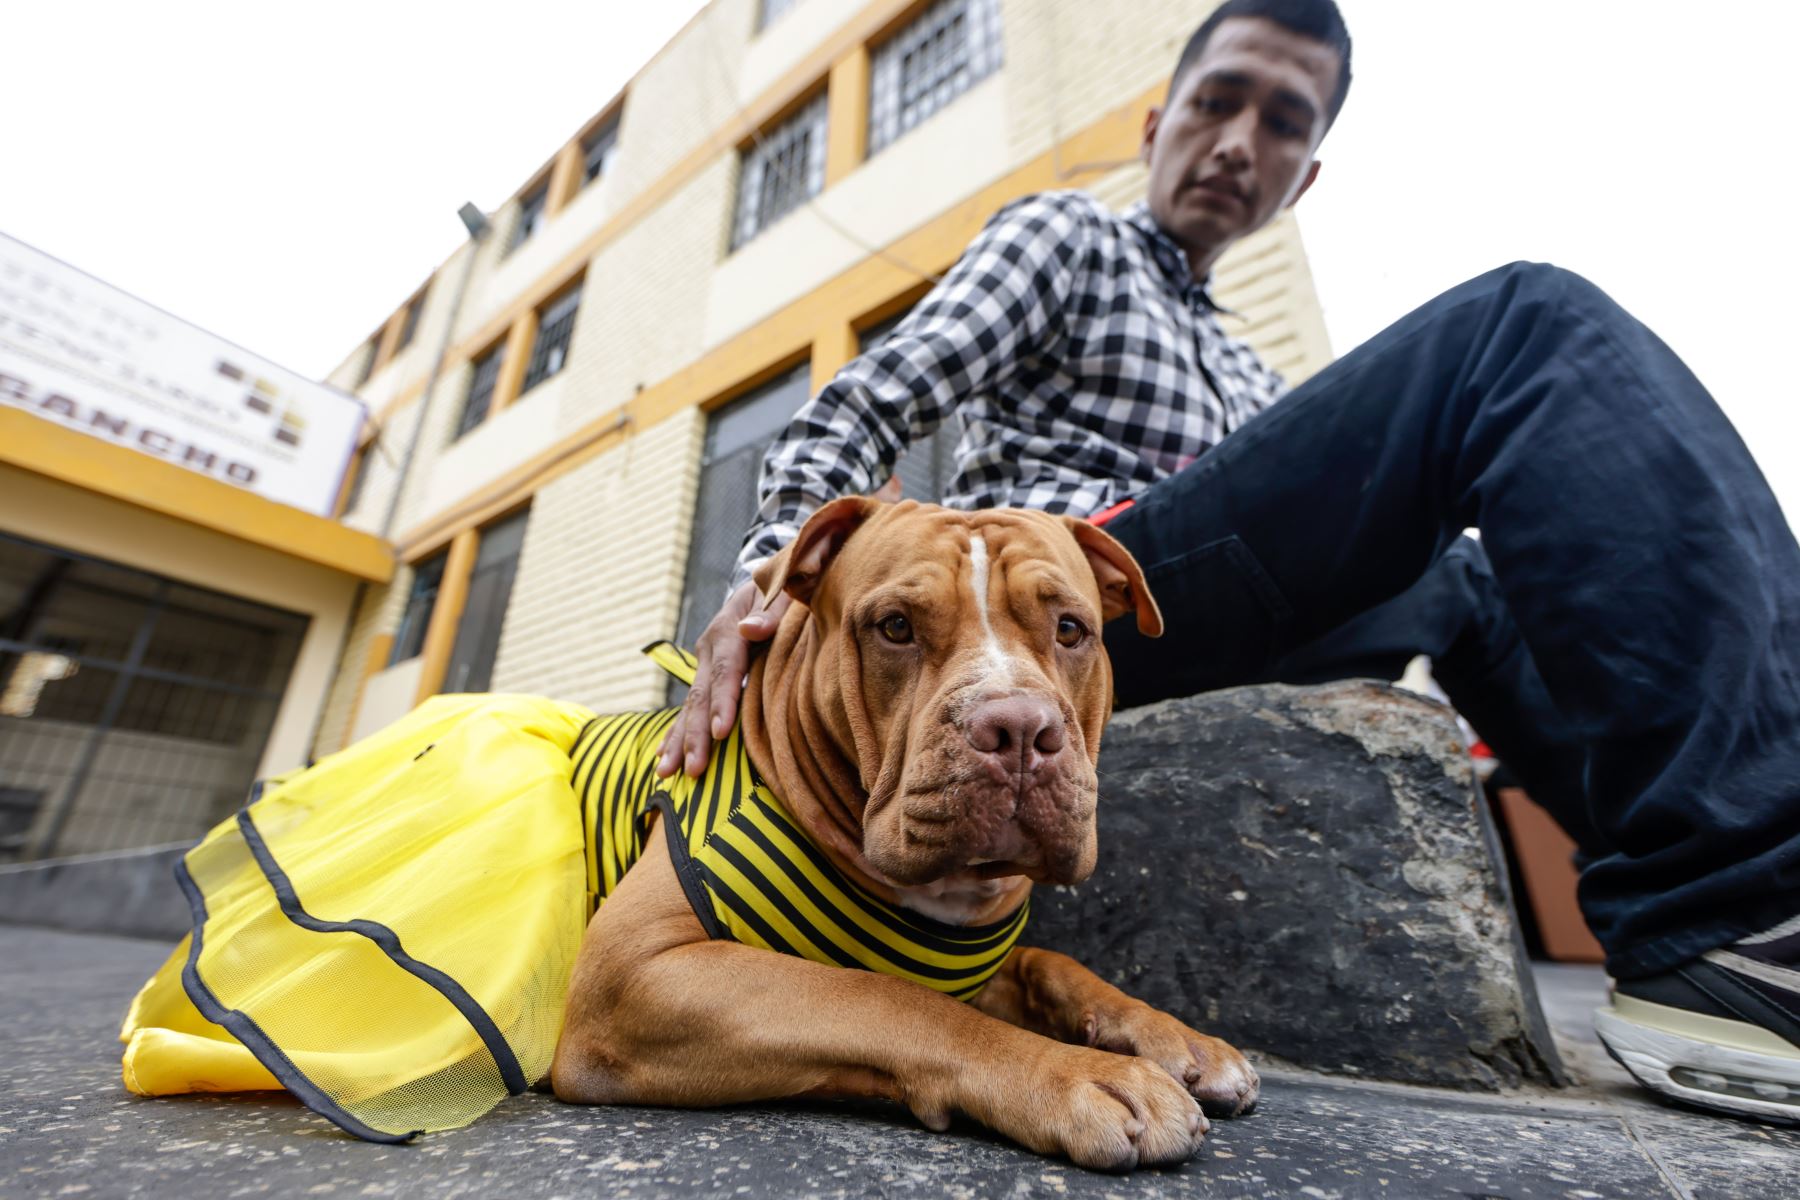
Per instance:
x=1310, y=874
x=127, y=892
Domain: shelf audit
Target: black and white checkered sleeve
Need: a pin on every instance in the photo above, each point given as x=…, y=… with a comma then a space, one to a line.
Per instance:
x=994, y=307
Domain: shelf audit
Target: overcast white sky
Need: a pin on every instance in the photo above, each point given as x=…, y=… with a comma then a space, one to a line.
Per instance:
x=284, y=176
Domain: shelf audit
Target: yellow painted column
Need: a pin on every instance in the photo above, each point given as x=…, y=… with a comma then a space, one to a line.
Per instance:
x=446, y=614
x=359, y=462
x=847, y=115
x=512, y=366
x=565, y=178
x=833, y=346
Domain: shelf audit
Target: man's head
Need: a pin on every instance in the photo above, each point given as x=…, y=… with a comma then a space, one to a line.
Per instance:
x=1253, y=93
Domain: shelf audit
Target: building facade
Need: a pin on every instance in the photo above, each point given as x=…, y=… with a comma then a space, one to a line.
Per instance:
x=568, y=416
x=174, y=593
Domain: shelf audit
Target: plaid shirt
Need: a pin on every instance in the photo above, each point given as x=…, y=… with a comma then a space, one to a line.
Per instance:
x=1080, y=357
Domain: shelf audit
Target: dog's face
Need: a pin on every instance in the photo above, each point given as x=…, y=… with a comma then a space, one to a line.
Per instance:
x=961, y=654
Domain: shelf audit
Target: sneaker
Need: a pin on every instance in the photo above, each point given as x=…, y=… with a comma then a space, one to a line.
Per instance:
x=1720, y=1031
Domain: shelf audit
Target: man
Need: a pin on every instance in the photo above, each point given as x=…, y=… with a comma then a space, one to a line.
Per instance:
x=1633, y=651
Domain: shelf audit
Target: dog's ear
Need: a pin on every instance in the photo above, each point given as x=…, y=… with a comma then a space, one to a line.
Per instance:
x=798, y=567
x=1121, y=580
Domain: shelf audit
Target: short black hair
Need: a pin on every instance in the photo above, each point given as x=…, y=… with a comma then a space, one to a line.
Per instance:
x=1316, y=19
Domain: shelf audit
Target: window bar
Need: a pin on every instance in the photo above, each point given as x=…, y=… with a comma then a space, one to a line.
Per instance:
x=64, y=804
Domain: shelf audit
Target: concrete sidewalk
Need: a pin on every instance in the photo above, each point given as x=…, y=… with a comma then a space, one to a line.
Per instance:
x=67, y=1127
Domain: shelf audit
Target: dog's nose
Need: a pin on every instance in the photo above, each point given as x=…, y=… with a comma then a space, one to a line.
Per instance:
x=1020, y=731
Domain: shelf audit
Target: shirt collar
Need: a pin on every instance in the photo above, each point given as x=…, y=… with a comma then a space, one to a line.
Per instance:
x=1170, y=257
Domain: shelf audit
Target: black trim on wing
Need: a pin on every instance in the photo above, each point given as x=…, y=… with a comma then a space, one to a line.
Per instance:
x=508, y=1063
x=245, y=1029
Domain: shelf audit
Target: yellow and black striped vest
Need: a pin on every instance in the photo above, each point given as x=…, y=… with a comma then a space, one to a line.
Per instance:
x=748, y=869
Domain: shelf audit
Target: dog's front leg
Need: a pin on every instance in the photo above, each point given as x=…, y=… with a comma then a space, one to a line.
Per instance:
x=1056, y=996
x=658, y=1014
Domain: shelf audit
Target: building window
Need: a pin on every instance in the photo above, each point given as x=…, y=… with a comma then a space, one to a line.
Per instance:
x=736, y=437
x=471, y=664
x=409, y=322
x=599, y=149
x=551, y=349
x=368, y=362
x=770, y=11
x=133, y=708
x=482, y=379
x=780, y=171
x=532, y=210
x=952, y=46
x=421, y=598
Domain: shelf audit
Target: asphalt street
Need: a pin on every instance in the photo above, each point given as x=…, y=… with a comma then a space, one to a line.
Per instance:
x=68, y=1128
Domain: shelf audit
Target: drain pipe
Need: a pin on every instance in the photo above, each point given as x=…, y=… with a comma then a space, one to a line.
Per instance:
x=478, y=226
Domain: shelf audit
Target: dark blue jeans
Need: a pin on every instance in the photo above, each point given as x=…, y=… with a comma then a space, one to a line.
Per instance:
x=1642, y=575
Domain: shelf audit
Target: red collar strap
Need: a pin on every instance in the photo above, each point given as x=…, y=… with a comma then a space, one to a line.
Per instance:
x=1107, y=514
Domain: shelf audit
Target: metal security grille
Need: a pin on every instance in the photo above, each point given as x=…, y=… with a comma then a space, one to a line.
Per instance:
x=133, y=709
x=780, y=171
x=482, y=379
x=598, y=150
x=531, y=214
x=421, y=598
x=952, y=46
x=736, y=437
x=551, y=349
x=368, y=363
x=409, y=324
x=471, y=665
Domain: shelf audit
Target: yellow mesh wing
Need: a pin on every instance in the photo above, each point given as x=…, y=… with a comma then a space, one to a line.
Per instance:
x=391, y=932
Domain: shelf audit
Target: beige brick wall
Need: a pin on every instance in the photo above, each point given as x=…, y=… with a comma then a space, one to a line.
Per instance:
x=643, y=306
x=683, y=96
x=1069, y=62
x=1265, y=279
x=382, y=467
x=414, y=361
x=378, y=613
x=441, y=416
x=600, y=574
x=481, y=302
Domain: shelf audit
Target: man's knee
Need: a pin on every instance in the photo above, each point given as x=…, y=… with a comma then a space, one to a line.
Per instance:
x=1548, y=285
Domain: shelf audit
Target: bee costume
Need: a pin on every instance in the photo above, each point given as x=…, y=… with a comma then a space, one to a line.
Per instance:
x=389, y=934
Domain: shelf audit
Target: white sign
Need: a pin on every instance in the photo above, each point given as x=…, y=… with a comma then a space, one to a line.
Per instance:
x=87, y=356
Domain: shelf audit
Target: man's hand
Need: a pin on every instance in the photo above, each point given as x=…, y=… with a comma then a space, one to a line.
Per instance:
x=723, y=655
x=723, y=652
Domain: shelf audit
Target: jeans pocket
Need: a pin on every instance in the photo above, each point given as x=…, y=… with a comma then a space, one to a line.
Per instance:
x=1221, y=610
x=1212, y=573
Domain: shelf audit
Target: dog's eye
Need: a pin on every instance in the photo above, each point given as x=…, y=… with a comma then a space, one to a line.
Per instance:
x=1069, y=632
x=896, y=629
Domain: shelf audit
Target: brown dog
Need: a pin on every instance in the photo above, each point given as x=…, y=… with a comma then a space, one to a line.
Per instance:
x=930, y=714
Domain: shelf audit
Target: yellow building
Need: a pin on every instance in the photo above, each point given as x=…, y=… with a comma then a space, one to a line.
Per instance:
x=566, y=419
x=174, y=594
x=780, y=180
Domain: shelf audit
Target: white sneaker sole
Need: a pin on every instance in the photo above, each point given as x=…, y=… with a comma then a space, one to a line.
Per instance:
x=1709, y=1061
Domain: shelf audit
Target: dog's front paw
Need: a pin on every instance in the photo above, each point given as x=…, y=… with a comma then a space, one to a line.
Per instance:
x=1110, y=1112
x=1213, y=1072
